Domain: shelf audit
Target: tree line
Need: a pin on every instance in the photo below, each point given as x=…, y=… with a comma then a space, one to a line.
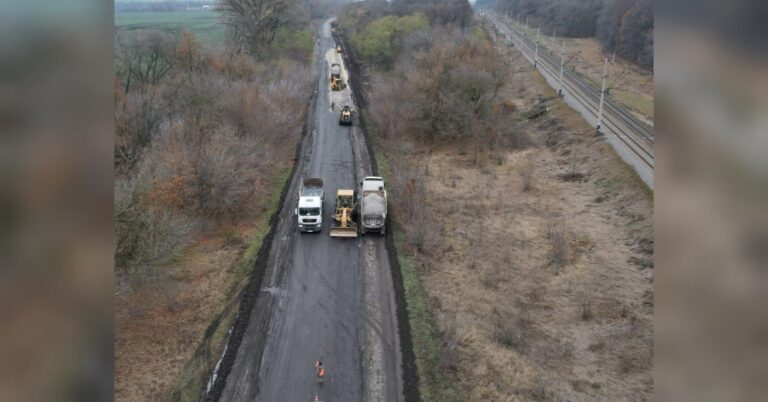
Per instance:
x=621, y=26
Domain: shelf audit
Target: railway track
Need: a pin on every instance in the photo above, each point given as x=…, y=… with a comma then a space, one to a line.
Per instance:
x=637, y=136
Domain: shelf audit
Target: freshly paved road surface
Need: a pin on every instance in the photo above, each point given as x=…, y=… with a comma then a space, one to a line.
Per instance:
x=322, y=298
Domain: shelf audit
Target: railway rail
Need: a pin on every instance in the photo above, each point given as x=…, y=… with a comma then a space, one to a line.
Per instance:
x=637, y=136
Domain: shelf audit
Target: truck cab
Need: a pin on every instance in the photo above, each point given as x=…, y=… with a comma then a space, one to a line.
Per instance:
x=310, y=209
x=310, y=214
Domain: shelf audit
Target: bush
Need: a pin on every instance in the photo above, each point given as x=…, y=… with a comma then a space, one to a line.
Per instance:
x=527, y=175
x=380, y=43
x=199, y=145
x=557, y=236
x=145, y=233
x=292, y=44
x=447, y=91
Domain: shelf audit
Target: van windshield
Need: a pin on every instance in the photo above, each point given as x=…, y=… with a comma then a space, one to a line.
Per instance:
x=309, y=211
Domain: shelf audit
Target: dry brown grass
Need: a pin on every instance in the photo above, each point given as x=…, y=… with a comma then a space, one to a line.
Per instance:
x=526, y=173
x=526, y=297
x=163, y=311
x=538, y=294
x=159, y=322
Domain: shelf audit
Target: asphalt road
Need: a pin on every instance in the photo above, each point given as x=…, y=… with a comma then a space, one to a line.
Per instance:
x=322, y=298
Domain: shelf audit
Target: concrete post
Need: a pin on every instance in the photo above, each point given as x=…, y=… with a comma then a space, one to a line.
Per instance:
x=602, y=98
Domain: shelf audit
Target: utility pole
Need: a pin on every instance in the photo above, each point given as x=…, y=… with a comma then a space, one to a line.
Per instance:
x=610, y=71
x=552, y=41
x=602, y=98
x=536, y=53
x=526, y=25
x=562, y=63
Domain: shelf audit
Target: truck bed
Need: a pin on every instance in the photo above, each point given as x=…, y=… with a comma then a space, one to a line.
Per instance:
x=312, y=187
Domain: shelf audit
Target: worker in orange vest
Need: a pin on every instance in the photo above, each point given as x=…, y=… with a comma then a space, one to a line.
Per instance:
x=320, y=371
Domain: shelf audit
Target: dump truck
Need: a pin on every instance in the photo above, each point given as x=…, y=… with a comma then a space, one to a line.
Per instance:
x=373, y=205
x=337, y=84
x=345, y=118
x=343, y=218
x=310, y=208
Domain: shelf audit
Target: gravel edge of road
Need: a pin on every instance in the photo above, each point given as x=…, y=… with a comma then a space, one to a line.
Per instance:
x=410, y=380
x=252, y=290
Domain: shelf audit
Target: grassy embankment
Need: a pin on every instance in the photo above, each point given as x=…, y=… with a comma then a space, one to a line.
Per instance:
x=434, y=384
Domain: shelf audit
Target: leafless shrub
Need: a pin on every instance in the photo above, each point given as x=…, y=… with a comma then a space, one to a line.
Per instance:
x=572, y=177
x=225, y=183
x=420, y=220
x=498, y=158
x=137, y=116
x=253, y=24
x=144, y=57
x=510, y=334
x=452, y=341
x=526, y=172
x=145, y=233
x=557, y=236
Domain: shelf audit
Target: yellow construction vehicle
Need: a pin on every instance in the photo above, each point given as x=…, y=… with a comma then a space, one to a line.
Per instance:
x=345, y=119
x=337, y=84
x=343, y=223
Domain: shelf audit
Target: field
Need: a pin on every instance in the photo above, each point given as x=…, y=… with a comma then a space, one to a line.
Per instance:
x=205, y=24
x=536, y=280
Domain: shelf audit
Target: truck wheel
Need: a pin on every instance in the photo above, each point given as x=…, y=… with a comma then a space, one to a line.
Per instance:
x=383, y=230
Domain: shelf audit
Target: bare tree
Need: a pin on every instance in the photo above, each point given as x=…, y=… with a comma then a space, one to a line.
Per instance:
x=146, y=56
x=252, y=24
